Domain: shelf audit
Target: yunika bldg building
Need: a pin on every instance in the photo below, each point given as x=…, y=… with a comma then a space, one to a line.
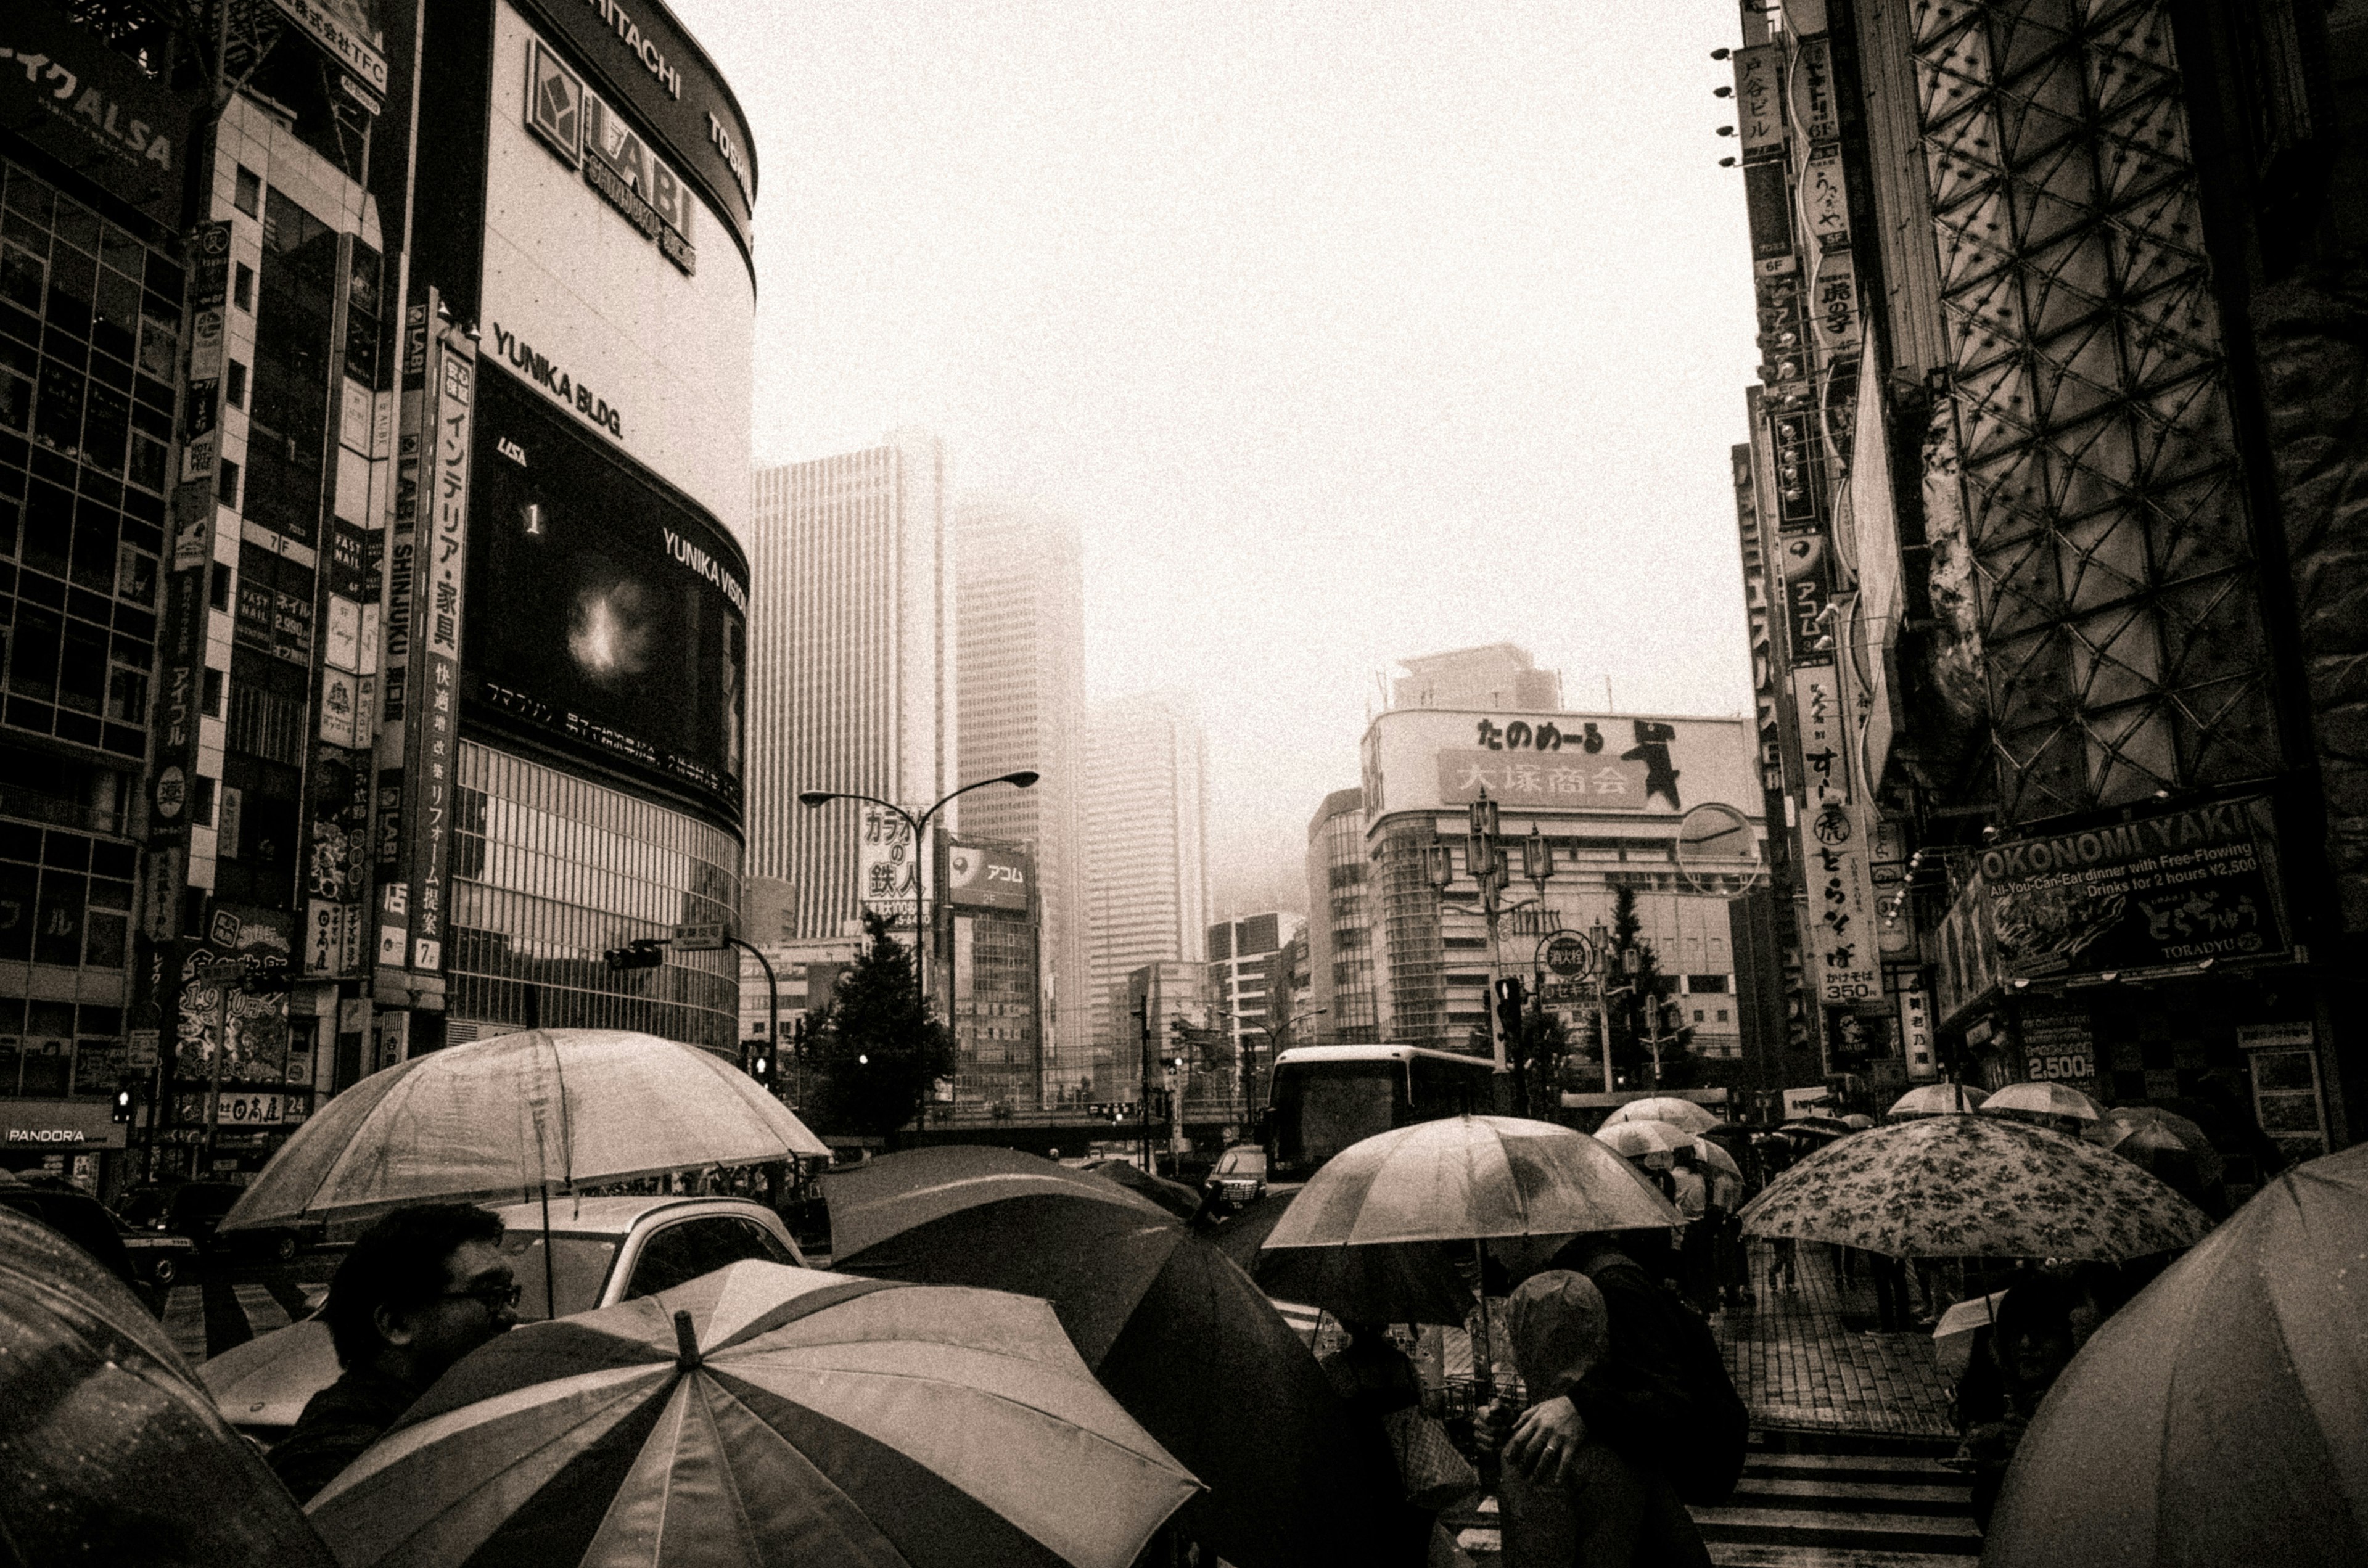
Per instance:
x=374, y=451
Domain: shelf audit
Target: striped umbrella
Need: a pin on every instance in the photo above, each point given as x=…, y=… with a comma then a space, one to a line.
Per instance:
x=765, y=1414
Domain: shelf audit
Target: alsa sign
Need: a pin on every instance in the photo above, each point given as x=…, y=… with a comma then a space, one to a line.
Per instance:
x=69, y=95
x=578, y=124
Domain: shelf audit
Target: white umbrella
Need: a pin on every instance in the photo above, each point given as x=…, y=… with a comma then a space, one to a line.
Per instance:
x=525, y=1112
x=1635, y=1140
x=2044, y=1099
x=1682, y=1114
x=1712, y=1154
x=1469, y=1178
x=1939, y=1099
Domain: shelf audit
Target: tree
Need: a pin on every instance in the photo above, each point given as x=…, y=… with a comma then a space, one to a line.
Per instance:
x=878, y=1052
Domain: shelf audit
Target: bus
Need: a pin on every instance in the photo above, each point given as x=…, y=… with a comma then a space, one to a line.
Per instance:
x=1324, y=1098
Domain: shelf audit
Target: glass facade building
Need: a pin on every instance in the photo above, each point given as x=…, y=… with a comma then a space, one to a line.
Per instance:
x=551, y=870
x=1341, y=923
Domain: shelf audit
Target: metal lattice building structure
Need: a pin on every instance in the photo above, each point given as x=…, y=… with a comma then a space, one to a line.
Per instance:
x=2082, y=478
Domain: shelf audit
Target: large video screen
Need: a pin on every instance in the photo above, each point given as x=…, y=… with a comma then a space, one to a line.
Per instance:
x=604, y=611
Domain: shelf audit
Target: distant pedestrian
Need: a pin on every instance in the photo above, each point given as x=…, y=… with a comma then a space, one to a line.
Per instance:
x=1697, y=1241
x=2015, y=1362
x=421, y=1288
x=1374, y=1377
x=1577, y=1502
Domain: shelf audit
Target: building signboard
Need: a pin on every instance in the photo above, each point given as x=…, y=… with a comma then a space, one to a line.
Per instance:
x=1840, y=921
x=888, y=867
x=1432, y=759
x=1759, y=100
x=65, y=91
x=985, y=876
x=627, y=334
x=2172, y=889
x=420, y=743
x=1916, y=1033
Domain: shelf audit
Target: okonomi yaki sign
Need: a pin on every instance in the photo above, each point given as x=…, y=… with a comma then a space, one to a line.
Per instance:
x=1430, y=759
x=2171, y=890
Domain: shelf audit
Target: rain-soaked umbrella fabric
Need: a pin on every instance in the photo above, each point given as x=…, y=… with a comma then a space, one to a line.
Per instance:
x=2120, y=1123
x=1975, y=1186
x=1678, y=1113
x=764, y=1414
x=2220, y=1419
x=503, y=1116
x=2045, y=1099
x=1173, y=1196
x=1179, y=1336
x=1937, y=1099
x=1470, y=1178
x=882, y=1198
x=109, y=1452
x=1710, y=1155
x=1635, y=1140
x=1415, y=1283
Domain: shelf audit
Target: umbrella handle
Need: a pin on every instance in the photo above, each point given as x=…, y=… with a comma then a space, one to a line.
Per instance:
x=1484, y=1380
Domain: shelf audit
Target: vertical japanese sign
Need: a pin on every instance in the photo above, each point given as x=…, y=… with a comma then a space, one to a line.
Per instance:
x=395, y=621
x=427, y=556
x=1916, y=1033
x=1758, y=99
x=1812, y=90
x=1825, y=201
x=888, y=864
x=1839, y=932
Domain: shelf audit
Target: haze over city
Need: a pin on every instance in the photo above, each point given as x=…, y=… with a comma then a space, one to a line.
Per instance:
x=1344, y=334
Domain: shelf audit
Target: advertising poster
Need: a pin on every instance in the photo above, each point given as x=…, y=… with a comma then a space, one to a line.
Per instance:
x=888, y=867
x=1420, y=759
x=2171, y=888
x=2058, y=1046
x=608, y=614
x=65, y=91
x=989, y=876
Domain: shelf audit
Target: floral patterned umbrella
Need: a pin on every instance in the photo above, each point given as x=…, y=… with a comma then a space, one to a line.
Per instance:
x=1969, y=1185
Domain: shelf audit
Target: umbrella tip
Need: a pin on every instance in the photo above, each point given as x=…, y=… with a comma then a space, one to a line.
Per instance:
x=686, y=1340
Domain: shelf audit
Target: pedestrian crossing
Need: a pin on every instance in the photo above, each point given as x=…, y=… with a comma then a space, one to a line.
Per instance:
x=207, y=1317
x=1812, y=1510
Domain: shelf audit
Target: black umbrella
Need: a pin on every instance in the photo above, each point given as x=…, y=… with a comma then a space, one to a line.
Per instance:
x=1173, y=1196
x=111, y=1452
x=1409, y=1282
x=1179, y=1335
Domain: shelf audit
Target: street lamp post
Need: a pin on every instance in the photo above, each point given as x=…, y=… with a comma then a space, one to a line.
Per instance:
x=1022, y=780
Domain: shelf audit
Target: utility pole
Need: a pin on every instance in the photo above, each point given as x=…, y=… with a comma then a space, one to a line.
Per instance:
x=222, y=974
x=1142, y=1029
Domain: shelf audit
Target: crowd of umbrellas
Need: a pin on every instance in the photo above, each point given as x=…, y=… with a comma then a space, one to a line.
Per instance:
x=1013, y=1361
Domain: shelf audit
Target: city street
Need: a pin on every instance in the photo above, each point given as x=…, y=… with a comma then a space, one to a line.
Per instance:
x=224, y=1301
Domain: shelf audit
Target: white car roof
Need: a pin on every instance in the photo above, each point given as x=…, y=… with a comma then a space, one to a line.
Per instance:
x=616, y=1216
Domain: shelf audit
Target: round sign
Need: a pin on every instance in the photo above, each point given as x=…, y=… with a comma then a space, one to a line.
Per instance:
x=1715, y=847
x=1567, y=954
x=171, y=789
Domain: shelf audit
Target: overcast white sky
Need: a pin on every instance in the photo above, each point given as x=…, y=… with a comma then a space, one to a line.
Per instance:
x=1346, y=332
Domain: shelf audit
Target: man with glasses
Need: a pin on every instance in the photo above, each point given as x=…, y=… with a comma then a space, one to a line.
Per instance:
x=421, y=1288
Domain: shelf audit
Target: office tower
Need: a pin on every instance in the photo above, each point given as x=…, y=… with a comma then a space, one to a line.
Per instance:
x=1146, y=860
x=850, y=670
x=1340, y=922
x=1019, y=660
x=1497, y=675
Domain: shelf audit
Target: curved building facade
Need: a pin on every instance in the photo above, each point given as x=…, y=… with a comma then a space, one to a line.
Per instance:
x=591, y=230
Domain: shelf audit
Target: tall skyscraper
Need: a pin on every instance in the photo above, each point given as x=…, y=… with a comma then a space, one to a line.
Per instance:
x=1147, y=835
x=851, y=662
x=1019, y=656
x=1497, y=675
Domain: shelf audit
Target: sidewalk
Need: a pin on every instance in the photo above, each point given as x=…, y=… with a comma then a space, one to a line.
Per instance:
x=1803, y=1361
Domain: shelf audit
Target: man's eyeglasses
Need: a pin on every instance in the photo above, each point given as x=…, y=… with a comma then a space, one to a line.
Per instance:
x=492, y=1297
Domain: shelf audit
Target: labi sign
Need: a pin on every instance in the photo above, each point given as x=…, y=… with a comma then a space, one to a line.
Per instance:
x=578, y=125
x=2176, y=889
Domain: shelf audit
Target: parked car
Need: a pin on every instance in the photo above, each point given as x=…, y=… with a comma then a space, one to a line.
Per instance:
x=194, y=1210
x=603, y=1251
x=1239, y=1178
x=160, y=1257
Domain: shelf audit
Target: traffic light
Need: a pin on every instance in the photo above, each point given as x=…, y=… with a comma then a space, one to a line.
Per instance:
x=1510, y=991
x=124, y=1095
x=642, y=952
x=761, y=1063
